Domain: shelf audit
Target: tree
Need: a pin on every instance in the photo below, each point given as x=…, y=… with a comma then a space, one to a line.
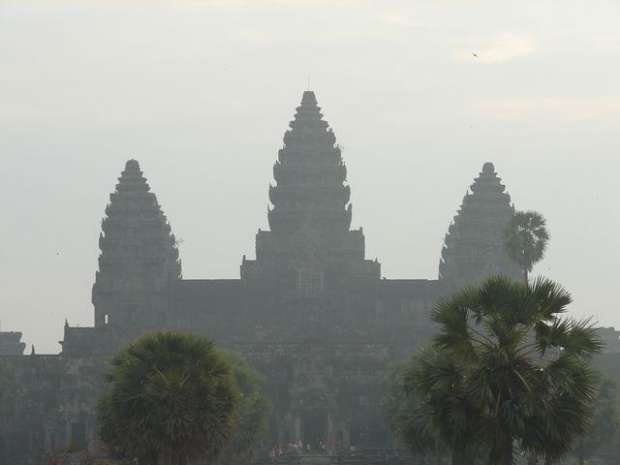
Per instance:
x=171, y=397
x=506, y=370
x=526, y=239
x=605, y=421
x=399, y=408
x=251, y=417
x=447, y=415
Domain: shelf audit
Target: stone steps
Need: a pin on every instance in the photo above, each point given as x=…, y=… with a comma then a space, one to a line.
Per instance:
x=315, y=460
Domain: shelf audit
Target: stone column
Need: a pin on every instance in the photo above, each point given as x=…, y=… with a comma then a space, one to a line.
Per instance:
x=297, y=435
x=346, y=437
x=331, y=435
x=330, y=426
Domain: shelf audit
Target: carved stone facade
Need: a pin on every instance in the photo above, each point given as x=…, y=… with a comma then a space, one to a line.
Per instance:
x=139, y=262
x=474, y=247
x=310, y=312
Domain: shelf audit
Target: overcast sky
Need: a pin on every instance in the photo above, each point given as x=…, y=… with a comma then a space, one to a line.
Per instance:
x=201, y=92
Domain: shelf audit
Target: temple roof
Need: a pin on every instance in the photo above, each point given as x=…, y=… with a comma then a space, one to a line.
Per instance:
x=310, y=190
x=474, y=247
x=138, y=251
x=135, y=228
x=310, y=211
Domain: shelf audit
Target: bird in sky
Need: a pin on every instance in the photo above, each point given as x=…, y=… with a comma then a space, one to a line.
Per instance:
x=475, y=55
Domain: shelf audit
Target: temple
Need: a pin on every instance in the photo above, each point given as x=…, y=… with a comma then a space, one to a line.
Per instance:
x=139, y=262
x=11, y=343
x=474, y=246
x=310, y=312
x=310, y=243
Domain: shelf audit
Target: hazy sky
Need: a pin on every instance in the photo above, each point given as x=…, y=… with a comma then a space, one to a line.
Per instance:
x=201, y=92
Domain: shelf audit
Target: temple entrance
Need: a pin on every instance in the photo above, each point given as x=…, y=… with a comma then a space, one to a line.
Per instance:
x=314, y=430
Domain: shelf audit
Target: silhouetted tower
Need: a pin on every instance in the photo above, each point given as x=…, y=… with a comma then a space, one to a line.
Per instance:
x=475, y=246
x=310, y=215
x=11, y=343
x=310, y=176
x=139, y=262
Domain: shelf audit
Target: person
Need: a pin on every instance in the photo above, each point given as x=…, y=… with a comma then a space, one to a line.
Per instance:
x=308, y=447
x=322, y=446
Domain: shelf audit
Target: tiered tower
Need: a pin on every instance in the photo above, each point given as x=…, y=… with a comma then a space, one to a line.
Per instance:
x=139, y=262
x=474, y=247
x=310, y=240
x=11, y=343
x=310, y=190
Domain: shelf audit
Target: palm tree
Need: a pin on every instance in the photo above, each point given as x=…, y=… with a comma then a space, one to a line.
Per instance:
x=171, y=397
x=445, y=414
x=506, y=370
x=399, y=408
x=605, y=421
x=526, y=239
x=251, y=417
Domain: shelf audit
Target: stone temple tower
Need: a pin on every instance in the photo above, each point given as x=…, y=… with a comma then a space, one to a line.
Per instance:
x=474, y=247
x=310, y=243
x=139, y=261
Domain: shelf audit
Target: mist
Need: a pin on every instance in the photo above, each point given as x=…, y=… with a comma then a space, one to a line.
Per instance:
x=201, y=92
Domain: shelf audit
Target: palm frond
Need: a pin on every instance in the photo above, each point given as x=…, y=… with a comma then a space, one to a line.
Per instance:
x=505, y=364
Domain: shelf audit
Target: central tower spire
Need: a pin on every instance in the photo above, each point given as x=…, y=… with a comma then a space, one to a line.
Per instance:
x=310, y=189
x=310, y=213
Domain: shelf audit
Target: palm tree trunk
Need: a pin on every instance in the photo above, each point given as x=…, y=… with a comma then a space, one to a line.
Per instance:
x=459, y=457
x=177, y=456
x=506, y=451
x=582, y=459
x=167, y=455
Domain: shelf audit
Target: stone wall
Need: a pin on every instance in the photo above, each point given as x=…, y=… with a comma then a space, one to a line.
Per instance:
x=52, y=407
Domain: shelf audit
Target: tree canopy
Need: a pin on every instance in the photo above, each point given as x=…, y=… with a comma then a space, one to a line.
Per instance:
x=171, y=397
x=252, y=415
x=506, y=370
x=526, y=239
x=401, y=413
x=605, y=421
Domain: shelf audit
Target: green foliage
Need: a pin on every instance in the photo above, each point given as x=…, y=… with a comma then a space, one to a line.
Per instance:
x=252, y=416
x=526, y=239
x=506, y=369
x=400, y=409
x=170, y=397
x=92, y=458
x=605, y=421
